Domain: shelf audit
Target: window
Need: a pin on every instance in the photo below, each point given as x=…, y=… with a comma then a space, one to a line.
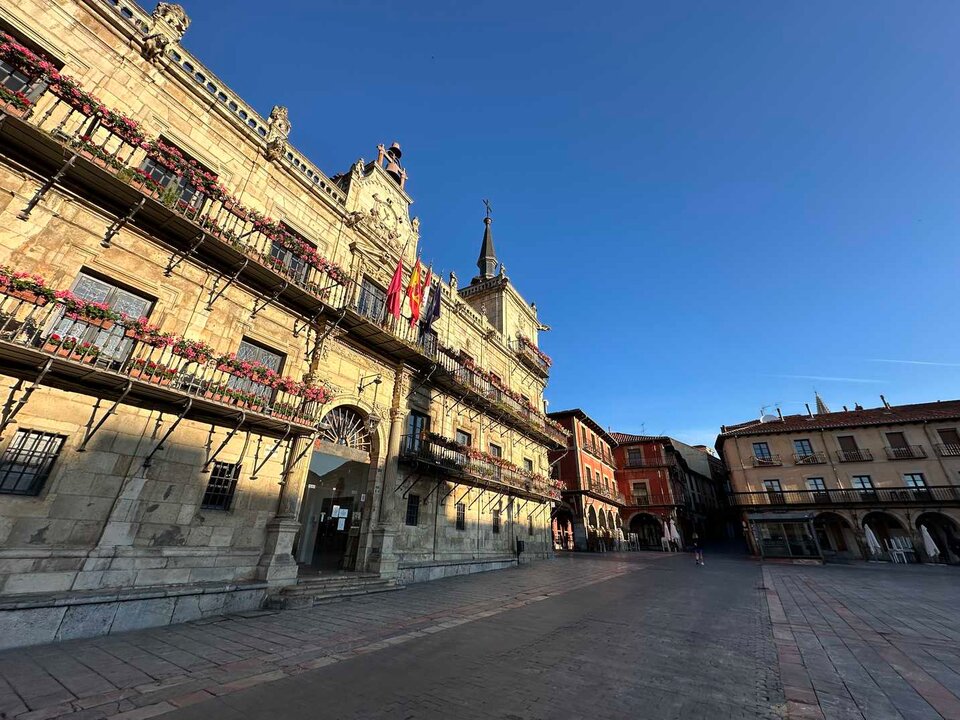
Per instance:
x=816, y=484
x=761, y=451
x=461, y=516
x=949, y=436
x=417, y=425
x=256, y=353
x=413, y=510
x=641, y=496
x=180, y=188
x=496, y=450
x=27, y=461
x=496, y=521
x=802, y=448
x=587, y=475
x=16, y=80
x=221, y=486
x=914, y=480
x=112, y=342
x=774, y=491
x=528, y=465
x=634, y=457
x=848, y=443
x=897, y=440
x=529, y=524
x=373, y=301
x=294, y=266
x=464, y=438
x=861, y=482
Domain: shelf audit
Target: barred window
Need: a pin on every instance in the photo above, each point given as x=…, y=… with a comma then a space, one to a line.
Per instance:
x=496, y=521
x=413, y=510
x=27, y=461
x=461, y=516
x=221, y=486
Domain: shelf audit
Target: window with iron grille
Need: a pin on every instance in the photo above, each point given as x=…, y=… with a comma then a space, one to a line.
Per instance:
x=373, y=301
x=221, y=486
x=496, y=521
x=256, y=353
x=413, y=510
x=27, y=461
x=461, y=516
x=295, y=266
x=184, y=193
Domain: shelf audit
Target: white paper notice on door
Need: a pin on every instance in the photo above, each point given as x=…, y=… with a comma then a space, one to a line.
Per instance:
x=341, y=523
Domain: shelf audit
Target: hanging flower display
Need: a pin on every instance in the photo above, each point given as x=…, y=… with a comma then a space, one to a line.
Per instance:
x=25, y=286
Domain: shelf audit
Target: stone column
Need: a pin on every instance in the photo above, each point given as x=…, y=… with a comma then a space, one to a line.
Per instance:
x=383, y=558
x=277, y=565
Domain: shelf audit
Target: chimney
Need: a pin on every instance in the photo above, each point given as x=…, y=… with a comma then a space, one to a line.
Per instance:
x=885, y=403
x=845, y=409
x=809, y=411
x=780, y=413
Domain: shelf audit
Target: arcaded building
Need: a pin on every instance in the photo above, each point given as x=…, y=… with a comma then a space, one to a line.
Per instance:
x=588, y=518
x=209, y=391
x=861, y=483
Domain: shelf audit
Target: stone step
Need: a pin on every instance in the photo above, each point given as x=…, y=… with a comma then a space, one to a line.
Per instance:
x=319, y=590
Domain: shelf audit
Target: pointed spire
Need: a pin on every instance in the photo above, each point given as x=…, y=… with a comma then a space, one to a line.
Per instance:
x=822, y=408
x=487, y=262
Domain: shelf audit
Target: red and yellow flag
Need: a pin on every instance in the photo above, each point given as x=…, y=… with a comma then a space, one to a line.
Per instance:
x=415, y=291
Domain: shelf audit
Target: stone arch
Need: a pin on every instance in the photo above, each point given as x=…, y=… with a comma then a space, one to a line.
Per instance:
x=592, y=518
x=885, y=525
x=648, y=528
x=945, y=532
x=563, y=518
x=835, y=533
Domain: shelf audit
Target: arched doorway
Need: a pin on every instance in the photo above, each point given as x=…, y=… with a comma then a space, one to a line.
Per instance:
x=648, y=530
x=836, y=538
x=945, y=534
x=884, y=526
x=338, y=491
x=563, y=528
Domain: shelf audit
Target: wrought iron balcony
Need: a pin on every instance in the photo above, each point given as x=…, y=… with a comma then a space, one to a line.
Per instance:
x=942, y=494
x=48, y=345
x=948, y=450
x=466, y=466
x=608, y=493
x=766, y=460
x=654, y=500
x=812, y=458
x=859, y=455
x=648, y=462
x=530, y=357
x=906, y=452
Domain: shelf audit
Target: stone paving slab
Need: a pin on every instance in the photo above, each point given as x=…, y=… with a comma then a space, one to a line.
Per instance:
x=150, y=672
x=867, y=642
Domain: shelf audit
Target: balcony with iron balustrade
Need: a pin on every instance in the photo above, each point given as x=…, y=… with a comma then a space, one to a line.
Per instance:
x=931, y=496
x=654, y=500
x=41, y=345
x=811, y=458
x=948, y=450
x=528, y=355
x=859, y=455
x=766, y=461
x=464, y=466
x=606, y=493
x=648, y=462
x=906, y=452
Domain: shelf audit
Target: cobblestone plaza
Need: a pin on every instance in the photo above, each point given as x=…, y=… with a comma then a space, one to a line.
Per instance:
x=633, y=635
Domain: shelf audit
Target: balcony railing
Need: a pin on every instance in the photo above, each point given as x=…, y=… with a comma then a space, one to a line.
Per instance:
x=948, y=450
x=647, y=500
x=614, y=495
x=529, y=357
x=906, y=452
x=44, y=344
x=460, y=465
x=646, y=462
x=812, y=458
x=873, y=496
x=765, y=460
x=859, y=455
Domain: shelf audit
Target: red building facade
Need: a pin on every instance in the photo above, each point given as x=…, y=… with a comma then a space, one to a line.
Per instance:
x=588, y=517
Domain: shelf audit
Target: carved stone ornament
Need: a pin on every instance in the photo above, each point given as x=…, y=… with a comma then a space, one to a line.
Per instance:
x=170, y=23
x=415, y=225
x=278, y=130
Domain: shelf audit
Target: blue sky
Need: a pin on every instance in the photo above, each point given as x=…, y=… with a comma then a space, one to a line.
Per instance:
x=717, y=206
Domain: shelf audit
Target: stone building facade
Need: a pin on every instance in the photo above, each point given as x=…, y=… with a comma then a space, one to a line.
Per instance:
x=216, y=399
x=866, y=483
x=588, y=518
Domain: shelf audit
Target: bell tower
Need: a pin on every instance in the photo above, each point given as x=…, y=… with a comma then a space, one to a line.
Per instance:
x=487, y=262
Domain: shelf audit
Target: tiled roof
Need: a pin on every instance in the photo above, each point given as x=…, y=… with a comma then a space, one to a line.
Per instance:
x=626, y=438
x=895, y=414
x=585, y=419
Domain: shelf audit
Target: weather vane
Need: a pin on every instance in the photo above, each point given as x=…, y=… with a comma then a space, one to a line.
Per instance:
x=488, y=206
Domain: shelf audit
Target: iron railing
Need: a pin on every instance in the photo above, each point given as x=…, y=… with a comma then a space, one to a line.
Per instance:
x=906, y=452
x=656, y=499
x=858, y=455
x=765, y=460
x=460, y=465
x=811, y=458
x=646, y=462
x=873, y=496
x=948, y=449
x=529, y=357
x=610, y=494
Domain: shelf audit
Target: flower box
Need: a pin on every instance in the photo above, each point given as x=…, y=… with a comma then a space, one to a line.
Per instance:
x=68, y=350
x=103, y=323
x=27, y=296
x=147, y=376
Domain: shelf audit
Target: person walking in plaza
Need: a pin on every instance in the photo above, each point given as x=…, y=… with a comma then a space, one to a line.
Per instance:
x=698, y=550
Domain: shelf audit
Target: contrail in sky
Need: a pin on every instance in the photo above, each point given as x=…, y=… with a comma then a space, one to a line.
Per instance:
x=913, y=362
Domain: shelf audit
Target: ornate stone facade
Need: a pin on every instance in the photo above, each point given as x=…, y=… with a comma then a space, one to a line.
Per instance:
x=150, y=484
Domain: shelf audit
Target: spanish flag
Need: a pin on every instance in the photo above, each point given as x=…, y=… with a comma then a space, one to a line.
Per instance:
x=415, y=291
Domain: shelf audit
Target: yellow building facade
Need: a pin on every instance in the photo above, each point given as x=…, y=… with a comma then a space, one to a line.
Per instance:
x=206, y=395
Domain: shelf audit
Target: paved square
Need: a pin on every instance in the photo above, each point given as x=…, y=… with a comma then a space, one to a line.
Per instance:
x=598, y=636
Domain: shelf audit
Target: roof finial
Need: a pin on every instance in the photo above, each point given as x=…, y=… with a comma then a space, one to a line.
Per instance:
x=822, y=408
x=487, y=262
